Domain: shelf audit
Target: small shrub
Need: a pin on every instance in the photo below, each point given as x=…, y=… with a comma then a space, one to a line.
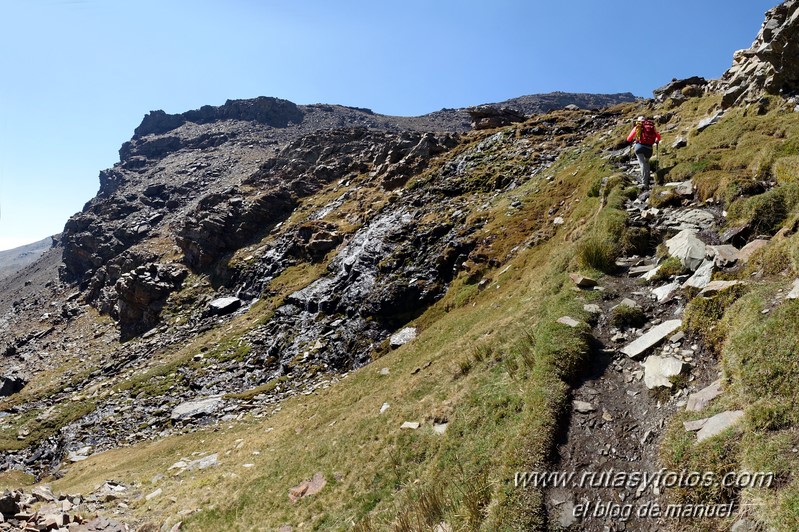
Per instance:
x=703, y=316
x=766, y=212
x=786, y=169
x=624, y=317
x=637, y=241
x=598, y=252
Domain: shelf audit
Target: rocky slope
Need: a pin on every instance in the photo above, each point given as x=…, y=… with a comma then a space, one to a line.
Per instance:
x=197, y=225
x=13, y=260
x=209, y=318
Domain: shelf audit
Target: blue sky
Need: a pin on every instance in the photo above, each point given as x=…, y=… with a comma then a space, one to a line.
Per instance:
x=77, y=76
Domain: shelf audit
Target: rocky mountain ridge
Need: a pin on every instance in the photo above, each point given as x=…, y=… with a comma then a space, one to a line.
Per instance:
x=257, y=256
x=207, y=207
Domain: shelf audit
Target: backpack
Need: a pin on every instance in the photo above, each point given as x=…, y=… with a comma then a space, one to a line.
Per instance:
x=647, y=134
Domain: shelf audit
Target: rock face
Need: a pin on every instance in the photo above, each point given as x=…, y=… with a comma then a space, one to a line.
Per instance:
x=771, y=64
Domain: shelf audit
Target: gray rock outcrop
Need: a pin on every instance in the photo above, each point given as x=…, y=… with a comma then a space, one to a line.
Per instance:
x=771, y=64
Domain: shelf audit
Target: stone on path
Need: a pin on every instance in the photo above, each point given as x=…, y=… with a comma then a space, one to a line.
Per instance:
x=638, y=270
x=651, y=338
x=582, y=407
x=683, y=188
x=701, y=276
x=699, y=400
x=659, y=370
x=688, y=248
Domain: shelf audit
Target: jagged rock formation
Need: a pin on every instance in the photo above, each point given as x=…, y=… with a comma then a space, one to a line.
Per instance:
x=771, y=64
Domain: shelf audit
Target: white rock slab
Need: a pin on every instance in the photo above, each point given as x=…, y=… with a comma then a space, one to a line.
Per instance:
x=403, y=336
x=688, y=248
x=659, y=370
x=197, y=408
x=651, y=338
x=719, y=423
x=701, y=276
x=662, y=293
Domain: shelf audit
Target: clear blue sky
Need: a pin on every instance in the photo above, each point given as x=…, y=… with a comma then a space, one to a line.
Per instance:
x=77, y=76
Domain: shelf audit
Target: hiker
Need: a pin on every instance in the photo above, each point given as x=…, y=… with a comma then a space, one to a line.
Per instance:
x=645, y=136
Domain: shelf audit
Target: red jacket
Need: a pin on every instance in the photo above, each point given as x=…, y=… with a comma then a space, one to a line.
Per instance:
x=631, y=136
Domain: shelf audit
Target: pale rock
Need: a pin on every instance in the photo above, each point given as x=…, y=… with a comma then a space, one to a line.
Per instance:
x=582, y=407
x=699, y=400
x=748, y=250
x=224, y=305
x=719, y=423
x=693, y=426
x=651, y=338
x=592, y=308
x=714, y=287
x=199, y=407
x=701, y=276
x=154, y=494
x=664, y=292
x=582, y=281
x=648, y=276
x=794, y=293
x=683, y=188
x=693, y=220
x=568, y=321
x=687, y=248
x=638, y=270
x=659, y=370
x=403, y=336
x=412, y=425
x=707, y=122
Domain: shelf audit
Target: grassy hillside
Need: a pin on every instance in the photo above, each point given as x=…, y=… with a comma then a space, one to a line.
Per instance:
x=494, y=367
